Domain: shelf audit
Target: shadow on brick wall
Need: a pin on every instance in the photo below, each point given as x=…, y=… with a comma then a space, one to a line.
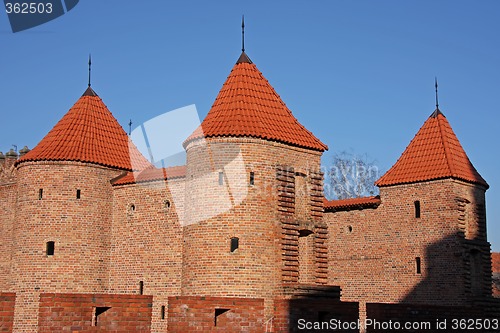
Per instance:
x=315, y=309
x=455, y=291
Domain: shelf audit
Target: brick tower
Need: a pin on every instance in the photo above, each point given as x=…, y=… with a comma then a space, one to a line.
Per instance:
x=438, y=198
x=253, y=189
x=63, y=213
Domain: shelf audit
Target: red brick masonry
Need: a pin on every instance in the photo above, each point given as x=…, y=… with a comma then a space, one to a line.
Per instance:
x=215, y=314
x=495, y=263
x=7, y=303
x=77, y=312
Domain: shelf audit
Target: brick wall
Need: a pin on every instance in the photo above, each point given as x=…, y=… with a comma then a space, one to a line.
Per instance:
x=7, y=169
x=85, y=313
x=495, y=261
x=147, y=244
x=216, y=213
x=8, y=192
x=7, y=304
x=373, y=254
x=79, y=228
x=303, y=235
x=215, y=314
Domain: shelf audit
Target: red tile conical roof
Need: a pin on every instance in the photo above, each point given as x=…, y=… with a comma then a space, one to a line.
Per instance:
x=434, y=153
x=88, y=133
x=248, y=106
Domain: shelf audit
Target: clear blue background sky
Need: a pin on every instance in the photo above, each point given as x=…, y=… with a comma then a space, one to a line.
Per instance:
x=359, y=74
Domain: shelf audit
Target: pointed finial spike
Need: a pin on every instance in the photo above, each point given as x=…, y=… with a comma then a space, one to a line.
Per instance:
x=436, y=85
x=90, y=66
x=243, y=33
x=129, y=127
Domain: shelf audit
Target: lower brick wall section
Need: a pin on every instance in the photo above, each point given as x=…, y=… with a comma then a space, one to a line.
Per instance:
x=7, y=304
x=197, y=314
x=77, y=312
x=314, y=315
x=426, y=318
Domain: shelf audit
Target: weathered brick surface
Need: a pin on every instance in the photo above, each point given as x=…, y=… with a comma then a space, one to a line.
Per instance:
x=495, y=263
x=208, y=314
x=79, y=228
x=216, y=213
x=374, y=251
x=146, y=243
x=77, y=313
x=8, y=195
x=7, y=304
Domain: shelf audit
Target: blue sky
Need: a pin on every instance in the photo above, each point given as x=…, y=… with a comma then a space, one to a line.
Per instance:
x=359, y=74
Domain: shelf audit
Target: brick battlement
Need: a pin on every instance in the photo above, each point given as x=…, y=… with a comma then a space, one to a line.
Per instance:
x=7, y=164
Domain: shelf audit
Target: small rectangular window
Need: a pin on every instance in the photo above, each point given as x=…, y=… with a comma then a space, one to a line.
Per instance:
x=221, y=178
x=78, y=194
x=51, y=246
x=417, y=209
x=162, y=312
x=252, y=178
x=40, y=194
x=235, y=243
x=141, y=287
x=418, y=266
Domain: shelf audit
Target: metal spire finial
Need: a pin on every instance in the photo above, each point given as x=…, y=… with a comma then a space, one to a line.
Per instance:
x=243, y=33
x=436, y=85
x=129, y=127
x=90, y=67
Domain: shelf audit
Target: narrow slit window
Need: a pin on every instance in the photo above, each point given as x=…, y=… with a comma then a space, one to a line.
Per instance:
x=162, y=312
x=40, y=194
x=221, y=178
x=78, y=194
x=252, y=178
x=167, y=204
x=235, y=243
x=418, y=265
x=417, y=209
x=141, y=287
x=50, y=248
